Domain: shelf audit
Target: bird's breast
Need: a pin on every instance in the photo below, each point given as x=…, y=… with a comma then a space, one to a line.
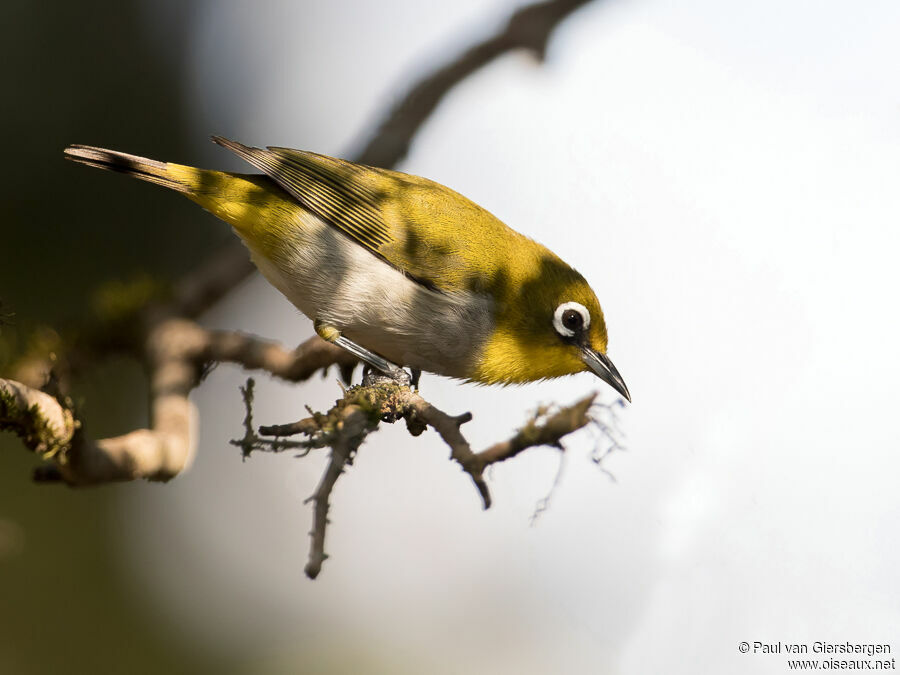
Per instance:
x=330, y=277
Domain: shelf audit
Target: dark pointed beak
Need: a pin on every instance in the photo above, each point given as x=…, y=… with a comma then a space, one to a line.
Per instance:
x=605, y=370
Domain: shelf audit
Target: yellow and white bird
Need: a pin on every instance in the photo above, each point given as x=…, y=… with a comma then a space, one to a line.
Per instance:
x=397, y=269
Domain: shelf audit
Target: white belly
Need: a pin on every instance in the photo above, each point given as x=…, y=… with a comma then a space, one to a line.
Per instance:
x=332, y=278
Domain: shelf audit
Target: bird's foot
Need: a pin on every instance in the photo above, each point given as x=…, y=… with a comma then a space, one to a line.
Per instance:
x=378, y=376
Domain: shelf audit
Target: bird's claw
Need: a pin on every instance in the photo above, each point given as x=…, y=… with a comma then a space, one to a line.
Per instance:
x=376, y=376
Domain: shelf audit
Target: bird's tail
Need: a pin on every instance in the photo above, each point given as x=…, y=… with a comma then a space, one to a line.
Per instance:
x=174, y=176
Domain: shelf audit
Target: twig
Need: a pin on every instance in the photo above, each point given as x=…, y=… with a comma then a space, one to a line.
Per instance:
x=610, y=437
x=448, y=427
x=354, y=426
x=358, y=413
x=544, y=502
x=251, y=441
x=535, y=433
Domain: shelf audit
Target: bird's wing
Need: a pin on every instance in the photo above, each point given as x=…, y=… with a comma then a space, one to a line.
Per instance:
x=387, y=212
x=345, y=195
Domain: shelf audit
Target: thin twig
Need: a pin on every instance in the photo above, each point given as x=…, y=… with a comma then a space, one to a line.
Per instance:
x=544, y=502
x=358, y=413
x=354, y=427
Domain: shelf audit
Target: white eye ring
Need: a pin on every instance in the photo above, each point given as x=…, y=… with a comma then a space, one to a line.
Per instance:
x=562, y=309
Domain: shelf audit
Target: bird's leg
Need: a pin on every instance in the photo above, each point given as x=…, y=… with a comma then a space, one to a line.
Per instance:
x=333, y=335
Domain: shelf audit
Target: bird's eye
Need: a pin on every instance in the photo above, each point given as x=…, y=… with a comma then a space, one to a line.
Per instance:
x=571, y=318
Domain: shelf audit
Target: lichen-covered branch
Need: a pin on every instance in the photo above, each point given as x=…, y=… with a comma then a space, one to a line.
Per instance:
x=178, y=350
x=45, y=426
x=379, y=399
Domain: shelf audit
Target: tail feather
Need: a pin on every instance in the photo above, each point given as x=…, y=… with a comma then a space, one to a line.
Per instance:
x=140, y=167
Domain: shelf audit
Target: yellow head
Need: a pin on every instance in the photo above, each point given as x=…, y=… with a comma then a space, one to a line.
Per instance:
x=548, y=323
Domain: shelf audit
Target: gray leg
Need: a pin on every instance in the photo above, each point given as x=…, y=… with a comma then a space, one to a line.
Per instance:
x=333, y=335
x=373, y=359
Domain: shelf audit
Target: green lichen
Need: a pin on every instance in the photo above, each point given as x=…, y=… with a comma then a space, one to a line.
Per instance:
x=379, y=401
x=33, y=428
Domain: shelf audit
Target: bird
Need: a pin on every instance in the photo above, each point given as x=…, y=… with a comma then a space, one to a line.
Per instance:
x=399, y=270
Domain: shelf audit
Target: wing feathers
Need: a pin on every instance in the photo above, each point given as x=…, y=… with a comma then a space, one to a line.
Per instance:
x=338, y=192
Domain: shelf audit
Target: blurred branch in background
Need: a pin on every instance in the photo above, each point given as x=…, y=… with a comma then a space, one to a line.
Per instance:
x=179, y=352
x=155, y=323
x=529, y=29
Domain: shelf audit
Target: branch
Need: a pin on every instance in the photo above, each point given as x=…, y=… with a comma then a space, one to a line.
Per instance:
x=43, y=423
x=354, y=425
x=358, y=413
x=178, y=352
x=539, y=430
x=528, y=28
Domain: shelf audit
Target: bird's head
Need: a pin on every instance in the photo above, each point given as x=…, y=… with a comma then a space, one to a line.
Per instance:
x=548, y=324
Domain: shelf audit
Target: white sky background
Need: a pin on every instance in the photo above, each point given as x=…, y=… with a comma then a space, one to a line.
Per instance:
x=726, y=176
